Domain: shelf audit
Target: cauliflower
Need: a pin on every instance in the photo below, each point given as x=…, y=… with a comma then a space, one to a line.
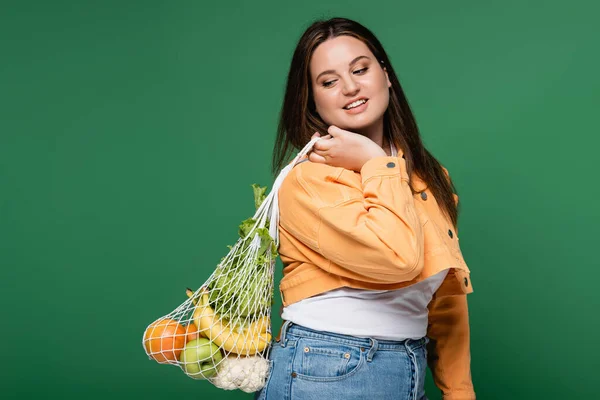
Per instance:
x=245, y=373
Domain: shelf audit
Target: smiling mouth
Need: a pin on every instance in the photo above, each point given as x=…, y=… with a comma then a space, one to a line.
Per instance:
x=355, y=104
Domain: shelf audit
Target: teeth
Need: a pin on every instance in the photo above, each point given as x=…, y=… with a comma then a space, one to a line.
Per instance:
x=355, y=104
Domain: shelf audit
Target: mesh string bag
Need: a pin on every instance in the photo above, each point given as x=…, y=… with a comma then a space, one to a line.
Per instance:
x=222, y=332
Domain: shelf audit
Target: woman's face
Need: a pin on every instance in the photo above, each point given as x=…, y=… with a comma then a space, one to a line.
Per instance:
x=350, y=88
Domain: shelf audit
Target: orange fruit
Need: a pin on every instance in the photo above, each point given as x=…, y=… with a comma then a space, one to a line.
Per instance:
x=164, y=340
x=192, y=332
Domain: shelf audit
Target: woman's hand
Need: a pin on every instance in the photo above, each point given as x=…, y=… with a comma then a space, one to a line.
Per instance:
x=344, y=149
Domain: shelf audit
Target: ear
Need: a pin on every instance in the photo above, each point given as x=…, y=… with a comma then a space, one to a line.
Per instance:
x=387, y=78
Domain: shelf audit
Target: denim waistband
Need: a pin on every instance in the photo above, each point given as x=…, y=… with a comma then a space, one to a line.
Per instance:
x=373, y=344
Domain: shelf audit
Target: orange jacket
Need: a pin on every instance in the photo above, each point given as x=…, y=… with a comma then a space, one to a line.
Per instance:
x=340, y=228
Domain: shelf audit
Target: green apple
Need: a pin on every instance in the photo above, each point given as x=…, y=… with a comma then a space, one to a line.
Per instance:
x=199, y=358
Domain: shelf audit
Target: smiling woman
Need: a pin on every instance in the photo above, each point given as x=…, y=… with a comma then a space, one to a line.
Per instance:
x=374, y=280
x=355, y=93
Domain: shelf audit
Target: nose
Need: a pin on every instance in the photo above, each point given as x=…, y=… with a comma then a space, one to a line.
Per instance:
x=350, y=86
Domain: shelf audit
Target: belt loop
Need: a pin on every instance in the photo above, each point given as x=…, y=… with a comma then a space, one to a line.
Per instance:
x=372, y=350
x=284, y=329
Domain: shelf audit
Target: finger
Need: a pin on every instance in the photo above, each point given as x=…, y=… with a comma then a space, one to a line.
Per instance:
x=314, y=157
x=321, y=153
x=334, y=131
x=323, y=145
x=316, y=135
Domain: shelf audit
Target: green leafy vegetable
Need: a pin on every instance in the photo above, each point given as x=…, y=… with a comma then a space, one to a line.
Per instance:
x=243, y=287
x=260, y=194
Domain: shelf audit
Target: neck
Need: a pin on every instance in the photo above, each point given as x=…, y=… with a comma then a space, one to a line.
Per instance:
x=375, y=133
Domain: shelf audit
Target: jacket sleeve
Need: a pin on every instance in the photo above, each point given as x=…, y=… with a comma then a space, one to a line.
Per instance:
x=372, y=233
x=449, y=355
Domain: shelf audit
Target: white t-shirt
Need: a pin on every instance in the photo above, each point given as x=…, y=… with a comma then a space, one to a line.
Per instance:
x=380, y=314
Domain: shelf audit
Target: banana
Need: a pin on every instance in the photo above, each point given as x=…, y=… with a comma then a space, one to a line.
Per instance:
x=246, y=342
x=190, y=294
x=197, y=312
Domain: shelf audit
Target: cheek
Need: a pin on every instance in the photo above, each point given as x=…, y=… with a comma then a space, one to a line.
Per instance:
x=376, y=81
x=384, y=91
x=385, y=97
x=383, y=82
x=382, y=104
x=325, y=104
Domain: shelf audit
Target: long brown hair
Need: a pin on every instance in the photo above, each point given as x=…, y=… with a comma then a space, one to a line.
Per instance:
x=299, y=120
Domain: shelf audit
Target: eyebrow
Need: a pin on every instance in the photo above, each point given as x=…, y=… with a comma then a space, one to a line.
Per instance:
x=332, y=71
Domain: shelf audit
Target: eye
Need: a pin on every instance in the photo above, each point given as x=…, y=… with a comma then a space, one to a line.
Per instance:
x=328, y=83
x=361, y=71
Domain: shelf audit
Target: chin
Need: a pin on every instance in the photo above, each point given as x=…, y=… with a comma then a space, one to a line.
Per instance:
x=356, y=123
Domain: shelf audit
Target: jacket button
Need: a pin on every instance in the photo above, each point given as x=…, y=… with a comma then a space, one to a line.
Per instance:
x=424, y=195
x=294, y=374
x=391, y=165
x=466, y=282
x=450, y=233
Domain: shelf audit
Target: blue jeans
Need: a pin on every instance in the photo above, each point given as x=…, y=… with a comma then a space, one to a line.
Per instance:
x=312, y=365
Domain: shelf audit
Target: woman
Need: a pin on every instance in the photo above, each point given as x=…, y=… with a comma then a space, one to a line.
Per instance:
x=373, y=279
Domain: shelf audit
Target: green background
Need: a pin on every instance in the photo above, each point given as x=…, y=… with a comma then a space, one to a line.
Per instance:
x=132, y=130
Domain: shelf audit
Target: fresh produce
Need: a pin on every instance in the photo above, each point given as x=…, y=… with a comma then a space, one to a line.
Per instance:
x=192, y=332
x=245, y=373
x=242, y=283
x=199, y=358
x=242, y=292
x=230, y=314
x=260, y=194
x=243, y=340
x=164, y=340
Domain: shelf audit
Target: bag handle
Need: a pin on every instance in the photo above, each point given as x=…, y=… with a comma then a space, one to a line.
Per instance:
x=270, y=206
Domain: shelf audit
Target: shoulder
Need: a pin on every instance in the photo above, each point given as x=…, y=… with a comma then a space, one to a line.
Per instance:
x=309, y=173
x=321, y=184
